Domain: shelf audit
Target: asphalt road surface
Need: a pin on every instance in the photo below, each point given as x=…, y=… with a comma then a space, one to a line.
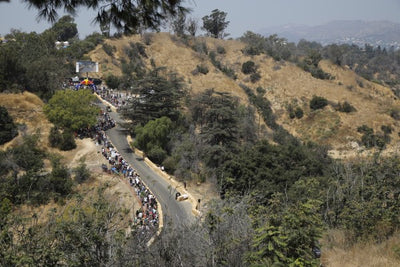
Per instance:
x=175, y=212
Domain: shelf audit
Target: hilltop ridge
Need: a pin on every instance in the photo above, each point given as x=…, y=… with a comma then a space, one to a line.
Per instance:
x=284, y=82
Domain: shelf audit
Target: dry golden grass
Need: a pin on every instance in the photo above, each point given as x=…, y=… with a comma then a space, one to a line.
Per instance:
x=118, y=192
x=27, y=109
x=337, y=253
x=285, y=83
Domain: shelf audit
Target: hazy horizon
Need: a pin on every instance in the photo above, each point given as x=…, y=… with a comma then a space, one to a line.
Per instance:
x=254, y=15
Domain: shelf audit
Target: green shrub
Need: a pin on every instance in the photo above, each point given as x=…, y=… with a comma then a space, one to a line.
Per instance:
x=318, y=73
x=64, y=141
x=82, y=173
x=260, y=91
x=248, y=67
x=290, y=109
x=295, y=113
x=200, y=47
x=157, y=154
x=346, y=107
x=170, y=164
x=221, y=50
x=201, y=69
x=214, y=61
x=55, y=137
x=365, y=129
x=109, y=49
x=395, y=114
x=229, y=72
x=255, y=77
x=68, y=141
x=318, y=102
x=396, y=250
x=113, y=81
x=386, y=129
x=8, y=130
x=299, y=113
x=225, y=69
x=369, y=139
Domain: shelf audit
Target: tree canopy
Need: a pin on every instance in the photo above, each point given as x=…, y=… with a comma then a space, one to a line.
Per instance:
x=8, y=129
x=72, y=109
x=159, y=94
x=215, y=23
x=125, y=15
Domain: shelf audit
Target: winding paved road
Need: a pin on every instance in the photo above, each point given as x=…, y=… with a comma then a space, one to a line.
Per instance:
x=174, y=212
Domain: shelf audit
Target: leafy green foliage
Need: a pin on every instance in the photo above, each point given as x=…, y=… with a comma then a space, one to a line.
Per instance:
x=225, y=69
x=35, y=65
x=63, y=140
x=372, y=63
x=68, y=140
x=192, y=26
x=318, y=102
x=217, y=114
x=23, y=179
x=64, y=29
x=200, y=47
x=135, y=65
x=346, y=107
x=395, y=114
x=265, y=168
x=153, y=138
x=249, y=67
x=79, y=234
x=298, y=112
x=255, y=77
x=109, y=49
x=221, y=50
x=126, y=16
x=295, y=112
x=363, y=198
x=281, y=136
x=8, y=129
x=288, y=236
x=179, y=24
x=72, y=110
x=277, y=48
x=60, y=179
x=215, y=24
x=113, y=81
x=159, y=94
x=81, y=172
x=11, y=68
x=308, y=65
x=200, y=69
x=369, y=139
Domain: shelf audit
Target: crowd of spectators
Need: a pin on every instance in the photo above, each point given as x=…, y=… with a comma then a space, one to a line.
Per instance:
x=114, y=97
x=146, y=217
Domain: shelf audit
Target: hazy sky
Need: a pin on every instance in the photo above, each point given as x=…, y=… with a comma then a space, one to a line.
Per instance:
x=243, y=15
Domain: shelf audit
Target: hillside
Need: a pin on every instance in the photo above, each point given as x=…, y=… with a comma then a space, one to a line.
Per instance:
x=27, y=111
x=284, y=82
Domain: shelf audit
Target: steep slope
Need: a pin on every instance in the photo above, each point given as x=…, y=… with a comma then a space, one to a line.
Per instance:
x=284, y=82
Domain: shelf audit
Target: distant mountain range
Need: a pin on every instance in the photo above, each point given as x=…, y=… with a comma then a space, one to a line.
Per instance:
x=383, y=33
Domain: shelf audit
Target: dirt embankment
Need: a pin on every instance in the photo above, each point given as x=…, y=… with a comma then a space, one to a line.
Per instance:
x=27, y=112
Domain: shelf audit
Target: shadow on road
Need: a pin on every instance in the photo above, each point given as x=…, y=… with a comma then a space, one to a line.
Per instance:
x=127, y=150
